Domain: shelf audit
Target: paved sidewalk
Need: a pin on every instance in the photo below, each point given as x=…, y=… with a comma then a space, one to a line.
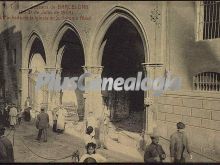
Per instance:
x=58, y=146
x=61, y=145
x=196, y=157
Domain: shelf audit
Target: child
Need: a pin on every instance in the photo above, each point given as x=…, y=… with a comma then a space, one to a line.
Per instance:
x=89, y=136
x=91, y=156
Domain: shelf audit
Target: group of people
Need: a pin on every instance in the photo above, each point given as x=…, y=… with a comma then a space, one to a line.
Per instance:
x=178, y=147
x=154, y=152
x=91, y=155
x=93, y=139
x=42, y=122
x=10, y=116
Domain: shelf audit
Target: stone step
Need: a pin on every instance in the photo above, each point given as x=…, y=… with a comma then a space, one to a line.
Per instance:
x=125, y=137
x=127, y=140
x=127, y=150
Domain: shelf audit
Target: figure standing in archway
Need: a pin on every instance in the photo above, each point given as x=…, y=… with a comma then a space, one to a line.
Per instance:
x=27, y=109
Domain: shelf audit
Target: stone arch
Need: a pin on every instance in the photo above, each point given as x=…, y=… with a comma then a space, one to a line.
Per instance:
x=104, y=25
x=35, y=61
x=62, y=29
x=31, y=39
x=69, y=56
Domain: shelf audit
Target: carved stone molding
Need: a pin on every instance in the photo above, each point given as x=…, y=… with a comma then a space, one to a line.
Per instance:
x=148, y=101
x=150, y=66
x=86, y=32
x=50, y=69
x=93, y=69
x=59, y=70
x=25, y=70
x=155, y=16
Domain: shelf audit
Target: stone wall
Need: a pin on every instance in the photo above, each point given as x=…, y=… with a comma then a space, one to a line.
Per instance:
x=186, y=56
x=200, y=111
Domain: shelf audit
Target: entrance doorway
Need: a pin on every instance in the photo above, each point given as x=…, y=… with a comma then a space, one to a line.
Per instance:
x=123, y=55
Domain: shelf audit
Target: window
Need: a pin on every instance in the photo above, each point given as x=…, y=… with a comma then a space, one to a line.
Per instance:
x=207, y=81
x=208, y=14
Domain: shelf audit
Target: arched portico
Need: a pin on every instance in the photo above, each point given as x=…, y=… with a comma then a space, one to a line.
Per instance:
x=69, y=57
x=98, y=49
x=34, y=46
x=37, y=64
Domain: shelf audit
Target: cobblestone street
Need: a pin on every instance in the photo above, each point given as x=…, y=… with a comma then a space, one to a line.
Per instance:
x=57, y=147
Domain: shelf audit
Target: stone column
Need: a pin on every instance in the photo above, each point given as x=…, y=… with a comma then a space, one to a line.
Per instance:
x=24, y=72
x=36, y=105
x=51, y=99
x=151, y=71
x=93, y=99
x=57, y=93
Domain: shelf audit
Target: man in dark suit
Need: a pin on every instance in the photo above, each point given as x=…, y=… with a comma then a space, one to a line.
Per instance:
x=6, y=148
x=42, y=124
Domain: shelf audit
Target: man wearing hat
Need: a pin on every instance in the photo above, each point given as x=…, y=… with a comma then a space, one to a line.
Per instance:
x=179, y=144
x=154, y=152
x=6, y=148
x=42, y=124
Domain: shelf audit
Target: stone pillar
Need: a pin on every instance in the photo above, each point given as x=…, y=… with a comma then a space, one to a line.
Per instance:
x=51, y=93
x=24, y=72
x=36, y=104
x=151, y=71
x=93, y=99
x=57, y=93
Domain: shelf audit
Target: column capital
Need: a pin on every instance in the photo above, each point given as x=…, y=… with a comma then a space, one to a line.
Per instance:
x=25, y=69
x=148, y=101
x=59, y=70
x=151, y=66
x=50, y=68
x=93, y=69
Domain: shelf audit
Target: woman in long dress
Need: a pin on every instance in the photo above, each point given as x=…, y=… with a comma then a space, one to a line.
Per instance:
x=13, y=116
x=54, y=115
x=27, y=113
x=61, y=119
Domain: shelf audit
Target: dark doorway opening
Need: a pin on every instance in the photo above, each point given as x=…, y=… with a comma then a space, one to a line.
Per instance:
x=122, y=57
